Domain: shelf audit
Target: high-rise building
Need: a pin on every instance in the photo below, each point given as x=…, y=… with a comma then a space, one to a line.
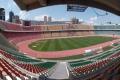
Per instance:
x=49, y=19
x=45, y=19
x=11, y=15
x=75, y=20
x=2, y=14
x=16, y=19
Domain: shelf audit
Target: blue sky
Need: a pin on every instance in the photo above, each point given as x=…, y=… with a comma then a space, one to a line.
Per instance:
x=59, y=12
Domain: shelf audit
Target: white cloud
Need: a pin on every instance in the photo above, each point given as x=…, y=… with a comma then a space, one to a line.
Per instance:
x=81, y=20
x=7, y=17
x=92, y=20
x=22, y=14
x=40, y=17
x=11, y=5
x=60, y=19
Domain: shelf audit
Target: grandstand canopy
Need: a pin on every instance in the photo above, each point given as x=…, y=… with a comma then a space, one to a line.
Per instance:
x=108, y=5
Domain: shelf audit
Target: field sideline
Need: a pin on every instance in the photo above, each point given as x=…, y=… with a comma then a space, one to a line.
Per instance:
x=68, y=43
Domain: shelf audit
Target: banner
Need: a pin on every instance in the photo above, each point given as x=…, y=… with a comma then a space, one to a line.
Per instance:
x=77, y=8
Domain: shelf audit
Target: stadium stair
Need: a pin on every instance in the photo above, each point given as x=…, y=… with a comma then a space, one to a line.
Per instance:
x=60, y=72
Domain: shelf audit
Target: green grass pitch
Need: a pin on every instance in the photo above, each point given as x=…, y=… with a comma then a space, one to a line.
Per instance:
x=68, y=43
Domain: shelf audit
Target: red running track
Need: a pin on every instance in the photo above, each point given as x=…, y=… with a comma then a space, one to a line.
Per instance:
x=23, y=47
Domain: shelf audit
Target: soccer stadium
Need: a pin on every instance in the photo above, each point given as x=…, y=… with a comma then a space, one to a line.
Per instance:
x=68, y=50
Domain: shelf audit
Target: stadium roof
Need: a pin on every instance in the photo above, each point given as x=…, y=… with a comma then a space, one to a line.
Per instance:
x=108, y=5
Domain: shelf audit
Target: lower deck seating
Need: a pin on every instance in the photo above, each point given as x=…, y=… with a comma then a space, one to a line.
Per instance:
x=90, y=67
x=9, y=62
x=16, y=56
x=100, y=67
x=104, y=70
x=7, y=69
x=111, y=72
x=36, y=68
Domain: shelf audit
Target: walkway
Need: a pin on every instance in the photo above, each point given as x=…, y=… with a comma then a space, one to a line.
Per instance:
x=61, y=71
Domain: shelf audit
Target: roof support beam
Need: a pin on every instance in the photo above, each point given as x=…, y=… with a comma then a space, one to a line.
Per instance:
x=108, y=5
x=20, y=4
x=43, y=2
